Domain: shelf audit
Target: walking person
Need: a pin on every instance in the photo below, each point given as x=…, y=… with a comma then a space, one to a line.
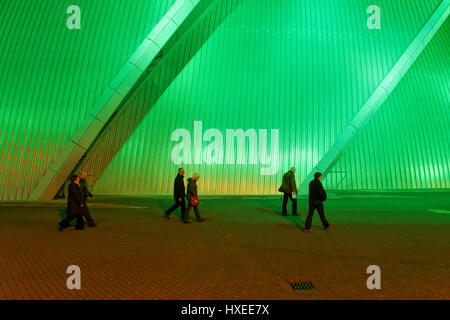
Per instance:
x=192, y=197
x=86, y=193
x=289, y=188
x=76, y=205
x=179, y=194
x=317, y=196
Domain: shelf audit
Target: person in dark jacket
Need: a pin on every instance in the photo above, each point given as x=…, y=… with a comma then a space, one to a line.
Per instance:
x=76, y=205
x=289, y=188
x=179, y=195
x=86, y=193
x=191, y=193
x=317, y=196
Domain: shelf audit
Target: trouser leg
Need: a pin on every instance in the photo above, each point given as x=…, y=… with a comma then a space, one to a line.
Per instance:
x=197, y=212
x=88, y=217
x=183, y=208
x=294, y=206
x=308, y=221
x=285, y=201
x=80, y=222
x=173, y=208
x=186, y=214
x=66, y=221
x=319, y=207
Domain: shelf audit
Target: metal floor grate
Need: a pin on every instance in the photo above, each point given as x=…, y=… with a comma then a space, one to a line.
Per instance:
x=307, y=285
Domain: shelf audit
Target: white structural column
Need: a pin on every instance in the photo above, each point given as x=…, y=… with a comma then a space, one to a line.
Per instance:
x=381, y=93
x=160, y=40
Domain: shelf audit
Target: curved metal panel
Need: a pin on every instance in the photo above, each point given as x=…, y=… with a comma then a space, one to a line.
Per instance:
x=144, y=60
x=50, y=76
x=406, y=145
x=379, y=96
x=302, y=67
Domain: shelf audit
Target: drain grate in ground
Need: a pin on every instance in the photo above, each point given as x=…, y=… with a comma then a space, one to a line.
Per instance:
x=307, y=285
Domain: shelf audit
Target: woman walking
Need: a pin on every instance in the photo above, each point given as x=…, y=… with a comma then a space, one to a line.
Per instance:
x=192, y=197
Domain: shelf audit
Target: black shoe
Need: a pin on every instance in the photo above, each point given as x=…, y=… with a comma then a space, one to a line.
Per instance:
x=79, y=228
x=201, y=220
x=186, y=222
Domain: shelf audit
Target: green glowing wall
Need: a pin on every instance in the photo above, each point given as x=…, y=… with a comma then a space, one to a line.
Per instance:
x=407, y=144
x=303, y=67
x=50, y=76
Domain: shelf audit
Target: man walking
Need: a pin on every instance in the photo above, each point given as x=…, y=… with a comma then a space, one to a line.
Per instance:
x=317, y=196
x=192, y=196
x=289, y=188
x=179, y=195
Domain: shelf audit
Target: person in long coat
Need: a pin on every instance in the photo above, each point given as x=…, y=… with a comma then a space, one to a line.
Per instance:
x=289, y=188
x=76, y=205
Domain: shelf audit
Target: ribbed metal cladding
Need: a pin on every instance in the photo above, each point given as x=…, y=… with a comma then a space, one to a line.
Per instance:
x=407, y=145
x=303, y=67
x=50, y=76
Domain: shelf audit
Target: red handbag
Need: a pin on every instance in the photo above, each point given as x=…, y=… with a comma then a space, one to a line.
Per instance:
x=194, y=201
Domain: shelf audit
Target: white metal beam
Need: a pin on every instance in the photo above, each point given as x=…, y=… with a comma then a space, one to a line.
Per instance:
x=161, y=39
x=380, y=94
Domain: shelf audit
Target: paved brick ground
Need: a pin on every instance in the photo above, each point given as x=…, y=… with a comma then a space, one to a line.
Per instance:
x=245, y=250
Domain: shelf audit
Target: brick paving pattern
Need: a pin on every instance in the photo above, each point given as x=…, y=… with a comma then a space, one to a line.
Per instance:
x=244, y=250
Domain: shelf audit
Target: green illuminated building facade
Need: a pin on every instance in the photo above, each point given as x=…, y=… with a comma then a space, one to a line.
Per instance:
x=292, y=74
